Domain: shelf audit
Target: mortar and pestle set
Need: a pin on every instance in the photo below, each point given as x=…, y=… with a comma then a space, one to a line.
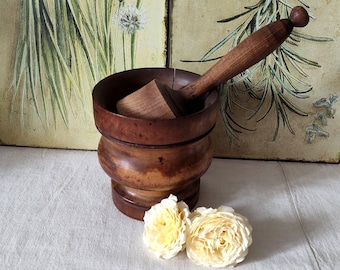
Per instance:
x=155, y=122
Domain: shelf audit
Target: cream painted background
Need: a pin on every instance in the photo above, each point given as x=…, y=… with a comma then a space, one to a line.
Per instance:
x=81, y=133
x=195, y=31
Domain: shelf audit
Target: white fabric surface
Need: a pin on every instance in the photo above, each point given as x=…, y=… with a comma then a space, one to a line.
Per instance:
x=56, y=213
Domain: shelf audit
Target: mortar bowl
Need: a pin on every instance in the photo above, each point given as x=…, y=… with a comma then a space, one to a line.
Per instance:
x=147, y=160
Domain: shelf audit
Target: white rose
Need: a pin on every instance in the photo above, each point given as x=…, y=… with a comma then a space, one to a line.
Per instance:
x=165, y=227
x=218, y=237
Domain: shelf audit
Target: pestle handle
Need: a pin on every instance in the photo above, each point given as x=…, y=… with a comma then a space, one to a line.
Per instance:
x=250, y=51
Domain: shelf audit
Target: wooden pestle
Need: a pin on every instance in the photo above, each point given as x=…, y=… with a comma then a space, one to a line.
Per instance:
x=157, y=101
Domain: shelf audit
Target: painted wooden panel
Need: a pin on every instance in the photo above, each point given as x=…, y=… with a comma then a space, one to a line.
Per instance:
x=285, y=108
x=53, y=52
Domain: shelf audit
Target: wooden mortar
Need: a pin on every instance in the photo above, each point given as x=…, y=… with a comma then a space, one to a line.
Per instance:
x=148, y=159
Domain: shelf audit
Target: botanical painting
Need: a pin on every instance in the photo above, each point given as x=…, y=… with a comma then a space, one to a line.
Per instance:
x=284, y=107
x=54, y=52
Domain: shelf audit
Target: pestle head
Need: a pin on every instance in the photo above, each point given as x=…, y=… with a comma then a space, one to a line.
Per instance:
x=299, y=16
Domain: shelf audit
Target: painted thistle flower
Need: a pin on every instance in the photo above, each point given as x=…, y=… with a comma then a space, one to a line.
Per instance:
x=129, y=19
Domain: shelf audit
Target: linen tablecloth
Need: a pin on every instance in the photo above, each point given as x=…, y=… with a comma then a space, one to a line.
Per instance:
x=56, y=212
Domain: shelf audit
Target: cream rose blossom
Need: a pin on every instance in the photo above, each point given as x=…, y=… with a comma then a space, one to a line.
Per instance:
x=218, y=237
x=165, y=227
